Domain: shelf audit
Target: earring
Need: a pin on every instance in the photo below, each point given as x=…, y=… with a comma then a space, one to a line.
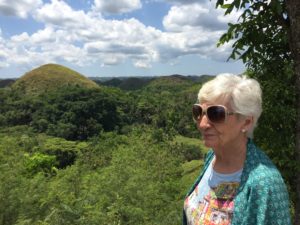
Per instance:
x=243, y=130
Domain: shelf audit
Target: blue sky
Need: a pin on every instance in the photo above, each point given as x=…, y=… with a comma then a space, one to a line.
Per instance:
x=115, y=37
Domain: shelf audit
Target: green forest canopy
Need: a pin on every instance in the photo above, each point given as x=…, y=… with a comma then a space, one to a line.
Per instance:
x=105, y=155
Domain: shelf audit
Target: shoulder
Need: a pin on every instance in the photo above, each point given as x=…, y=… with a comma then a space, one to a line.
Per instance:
x=262, y=192
x=261, y=170
x=262, y=176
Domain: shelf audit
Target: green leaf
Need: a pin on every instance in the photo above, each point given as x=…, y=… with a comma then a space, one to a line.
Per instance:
x=219, y=3
x=225, y=6
x=229, y=9
x=237, y=3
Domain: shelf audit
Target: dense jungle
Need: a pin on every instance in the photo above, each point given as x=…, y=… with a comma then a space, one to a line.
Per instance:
x=78, y=151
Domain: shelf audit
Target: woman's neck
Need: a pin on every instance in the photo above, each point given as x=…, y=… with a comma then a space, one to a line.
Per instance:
x=231, y=158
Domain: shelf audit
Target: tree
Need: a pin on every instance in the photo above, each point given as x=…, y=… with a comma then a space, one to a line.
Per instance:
x=293, y=9
x=267, y=39
x=77, y=113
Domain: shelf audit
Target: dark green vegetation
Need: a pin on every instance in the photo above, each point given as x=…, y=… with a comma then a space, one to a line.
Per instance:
x=81, y=155
x=106, y=155
x=110, y=179
x=6, y=82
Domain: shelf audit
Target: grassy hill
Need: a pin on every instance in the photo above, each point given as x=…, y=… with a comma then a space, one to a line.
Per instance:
x=169, y=83
x=50, y=77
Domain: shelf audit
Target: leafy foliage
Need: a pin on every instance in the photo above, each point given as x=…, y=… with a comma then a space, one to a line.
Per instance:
x=76, y=113
x=71, y=112
x=260, y=36
x=116, y=179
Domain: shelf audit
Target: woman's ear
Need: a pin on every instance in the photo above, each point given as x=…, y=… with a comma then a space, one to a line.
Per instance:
x=248, y=123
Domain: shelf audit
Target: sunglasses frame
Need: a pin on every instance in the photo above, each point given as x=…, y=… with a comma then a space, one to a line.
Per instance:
x=204, y=112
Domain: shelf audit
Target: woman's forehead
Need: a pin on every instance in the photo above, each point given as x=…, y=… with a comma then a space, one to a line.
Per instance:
x=223, y=99
x=216, y=102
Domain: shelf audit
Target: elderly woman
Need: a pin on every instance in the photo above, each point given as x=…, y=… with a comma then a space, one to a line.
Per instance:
x=239, y=184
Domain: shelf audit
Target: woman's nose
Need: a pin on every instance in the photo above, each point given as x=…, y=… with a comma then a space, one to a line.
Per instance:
x=203, y=123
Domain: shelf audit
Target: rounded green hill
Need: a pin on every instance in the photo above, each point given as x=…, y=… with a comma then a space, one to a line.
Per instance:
x=173, y=82
x=51, y=77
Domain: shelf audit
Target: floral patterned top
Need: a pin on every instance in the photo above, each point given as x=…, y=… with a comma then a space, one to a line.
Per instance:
x=261, y=197
x=211, y=202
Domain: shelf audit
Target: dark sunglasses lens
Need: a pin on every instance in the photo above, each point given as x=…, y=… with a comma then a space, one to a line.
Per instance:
x=216, y=114
x=197, y=112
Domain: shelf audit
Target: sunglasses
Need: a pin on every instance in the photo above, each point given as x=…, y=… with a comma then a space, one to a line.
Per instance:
x=214, y=113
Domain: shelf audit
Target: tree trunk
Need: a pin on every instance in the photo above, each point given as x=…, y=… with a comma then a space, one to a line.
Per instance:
x=293, y=8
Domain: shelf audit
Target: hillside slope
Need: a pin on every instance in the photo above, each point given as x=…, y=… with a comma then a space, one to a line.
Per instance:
x=50, y=77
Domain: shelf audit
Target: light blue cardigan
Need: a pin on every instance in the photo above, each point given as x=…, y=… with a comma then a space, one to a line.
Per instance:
x=262, y=197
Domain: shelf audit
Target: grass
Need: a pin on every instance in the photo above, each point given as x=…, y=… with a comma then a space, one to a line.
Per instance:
x=50, y=77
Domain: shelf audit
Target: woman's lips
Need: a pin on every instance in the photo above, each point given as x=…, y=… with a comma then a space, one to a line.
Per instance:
x=208, y=135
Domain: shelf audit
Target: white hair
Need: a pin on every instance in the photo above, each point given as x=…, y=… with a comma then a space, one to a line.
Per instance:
x=243, y=94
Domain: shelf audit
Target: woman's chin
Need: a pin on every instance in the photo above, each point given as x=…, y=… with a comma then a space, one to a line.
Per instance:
x=208, y=143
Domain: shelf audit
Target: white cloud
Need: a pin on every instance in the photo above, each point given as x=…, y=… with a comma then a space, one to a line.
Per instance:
x=176, y=2
x=19, y=8
x=46, y=35
x=197, y=28
x=20, y=55
x=116, y=6
x=142, y=64
x=3, y=54
x=182, y=2
x=111, y=60
x=59, y=13
x=196, y=16
x=123, y=48
x=21, y=38
x=83, y=38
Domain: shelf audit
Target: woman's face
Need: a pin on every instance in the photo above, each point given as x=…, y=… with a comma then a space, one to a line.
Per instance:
x=221, y=135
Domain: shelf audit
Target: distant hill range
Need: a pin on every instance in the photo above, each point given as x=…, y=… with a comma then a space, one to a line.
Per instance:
x=134, y=83
x=52, y=76
x=6, y=82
